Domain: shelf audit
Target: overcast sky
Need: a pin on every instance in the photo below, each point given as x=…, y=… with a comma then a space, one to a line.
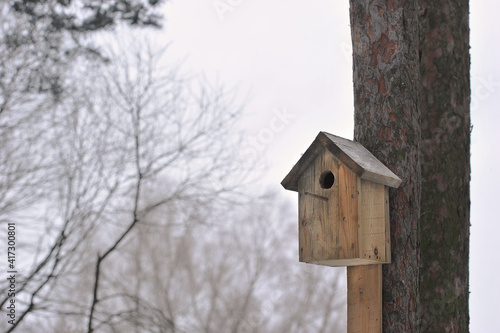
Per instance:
x=294, y=57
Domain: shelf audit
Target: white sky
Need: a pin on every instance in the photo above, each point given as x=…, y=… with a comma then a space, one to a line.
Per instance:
x=294, y=57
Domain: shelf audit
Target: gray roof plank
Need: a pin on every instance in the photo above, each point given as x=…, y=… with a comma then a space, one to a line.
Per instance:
x=351, y=153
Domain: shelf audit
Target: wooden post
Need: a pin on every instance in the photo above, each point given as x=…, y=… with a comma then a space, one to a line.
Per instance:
x=364, y=299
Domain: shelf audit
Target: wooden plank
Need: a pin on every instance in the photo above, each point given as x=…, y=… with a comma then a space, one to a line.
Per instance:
x=345, y=262
x=318, y=228
x=364, y=299
x=388, y=258
x=348, y=213
x=351, y=153
x=373, y=229
x=292, y=179
x=357, y=158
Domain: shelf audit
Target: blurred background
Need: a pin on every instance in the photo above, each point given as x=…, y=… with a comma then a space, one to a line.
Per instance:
x=142, y=167
x=297, y=56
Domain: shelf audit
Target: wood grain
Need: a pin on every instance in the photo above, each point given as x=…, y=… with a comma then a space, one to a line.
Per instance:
x=364, y=299
x=318, y=232
x=373, y=221
x=348, y=214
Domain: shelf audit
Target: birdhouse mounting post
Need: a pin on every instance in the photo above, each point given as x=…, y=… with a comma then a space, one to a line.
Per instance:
x=364, y=299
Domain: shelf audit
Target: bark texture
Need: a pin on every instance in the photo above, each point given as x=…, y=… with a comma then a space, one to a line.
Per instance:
x=445, y=203
x=386, y=89
x=411, y=97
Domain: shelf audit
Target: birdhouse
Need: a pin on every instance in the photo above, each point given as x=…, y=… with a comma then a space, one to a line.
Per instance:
x=343, y=203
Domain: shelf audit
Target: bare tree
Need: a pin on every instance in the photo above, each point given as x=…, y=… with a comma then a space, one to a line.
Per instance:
x=117, y=132
x=54, y=34
x=125, y=187
x=221, y=271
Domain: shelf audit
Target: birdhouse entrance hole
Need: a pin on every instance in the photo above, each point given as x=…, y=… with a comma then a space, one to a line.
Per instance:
x=326, y=180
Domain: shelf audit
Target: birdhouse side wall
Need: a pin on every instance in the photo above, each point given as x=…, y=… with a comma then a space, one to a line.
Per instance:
x=318, y=212
x=374, y=230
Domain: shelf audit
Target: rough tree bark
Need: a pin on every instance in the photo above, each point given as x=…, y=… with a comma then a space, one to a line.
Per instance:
x=445, y=201
x=411, y=97
x=386, y=89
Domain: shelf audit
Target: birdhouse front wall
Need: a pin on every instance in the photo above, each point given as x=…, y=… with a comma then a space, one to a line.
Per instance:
x=343, y=219
x=328, y=212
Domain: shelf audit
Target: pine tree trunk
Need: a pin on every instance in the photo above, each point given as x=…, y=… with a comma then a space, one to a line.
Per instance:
x=445, y=200
x=411, y=97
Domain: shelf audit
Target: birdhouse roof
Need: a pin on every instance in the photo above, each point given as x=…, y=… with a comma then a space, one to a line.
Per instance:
x=352, y=154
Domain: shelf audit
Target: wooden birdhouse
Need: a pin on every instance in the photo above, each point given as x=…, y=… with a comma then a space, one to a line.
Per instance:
x=343, y=203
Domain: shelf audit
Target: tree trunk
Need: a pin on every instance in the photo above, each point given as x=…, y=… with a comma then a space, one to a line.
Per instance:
x=411, y=97
x=445, y=200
